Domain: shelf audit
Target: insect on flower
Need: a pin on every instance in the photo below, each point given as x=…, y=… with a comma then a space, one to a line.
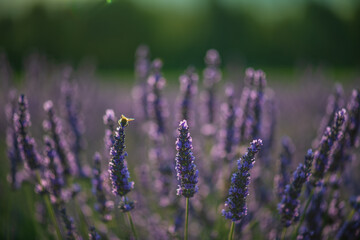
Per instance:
x=124, y=121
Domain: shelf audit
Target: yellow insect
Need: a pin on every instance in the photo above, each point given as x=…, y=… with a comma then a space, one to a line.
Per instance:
x=124, y=121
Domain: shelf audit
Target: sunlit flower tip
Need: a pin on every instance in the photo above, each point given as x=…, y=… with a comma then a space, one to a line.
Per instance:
x=124, y=121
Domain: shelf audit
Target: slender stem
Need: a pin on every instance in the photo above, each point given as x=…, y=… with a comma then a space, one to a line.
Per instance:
x=232, y=228
x=304, y=213
x=351, y=215
x=186, y=219
x=52, y=216
x=132, y=225
x=50, y=209
x=283, y=233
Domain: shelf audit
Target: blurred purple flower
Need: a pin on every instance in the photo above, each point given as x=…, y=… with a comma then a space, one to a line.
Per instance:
x=289, y=205
x=54, y=129
x=110, y=122
x=286, y=156
x=26, y=143
x=102, y=205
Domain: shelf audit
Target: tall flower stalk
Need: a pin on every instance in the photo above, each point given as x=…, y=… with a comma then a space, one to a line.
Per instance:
x=212, y=75
x=235, y=204
x=289, y=205
x=102, y=205
x=286, y=156
x=75, y=123
x=187, y=174
x=118, y=170
x=321, y=156
x=12, y=144
x=188, y=89
x=54, y=129
x=26, y=143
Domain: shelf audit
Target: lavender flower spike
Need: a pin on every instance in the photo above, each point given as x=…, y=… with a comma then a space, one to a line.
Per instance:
x=119, y=173
x=289, y=205
x=26, y=143
x=69, y=225
x=102, y=205
x=110, y=122
x=54, y=129
x=187, y=174
x=286, y=156
x=330, y=136
x=238, y=191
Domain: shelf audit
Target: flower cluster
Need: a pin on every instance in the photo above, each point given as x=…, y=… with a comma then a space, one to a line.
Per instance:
x=334, y=104
x=156, y=102
x=188, y=88
x=225, y=149
x=238, y=191
x=245, y=102
x=26, y=143
x=102, y=205
x=256, y=104
x=286, y=156
x=76, y=125
x=321, y=156
x=212, y=75
x=13, y=150
x=289, y=205
x=69, y=225
x=187, y=174
x=110, y=122
x=54, y=172
x=54, y=129
x=119, y=173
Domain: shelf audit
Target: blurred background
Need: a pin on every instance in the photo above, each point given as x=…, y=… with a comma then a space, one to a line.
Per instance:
x=264, y=34
x=304, y=46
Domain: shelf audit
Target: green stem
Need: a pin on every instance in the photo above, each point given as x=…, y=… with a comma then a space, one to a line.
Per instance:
x=186, y=219
x=303, y=215
x=351, y=215
x=50, y=209
x=283, y=233
x=132, y=225
x=232, y=228
x=52, y=216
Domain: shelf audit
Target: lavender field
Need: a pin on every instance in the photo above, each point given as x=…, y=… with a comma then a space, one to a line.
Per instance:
x=216, y=153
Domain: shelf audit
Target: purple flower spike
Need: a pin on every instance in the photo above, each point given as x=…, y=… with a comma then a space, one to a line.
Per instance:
x=13, y=150
x=110, y=122
x=331, y=136
x=238, y=191
x=188, y=89
x=54, y=129
x=54, y=172
x=119, y=173
x=103, y=206
x=187, y=174
x=26, y=143
x=289, y=205
x=286, y=156
x=69, y=225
